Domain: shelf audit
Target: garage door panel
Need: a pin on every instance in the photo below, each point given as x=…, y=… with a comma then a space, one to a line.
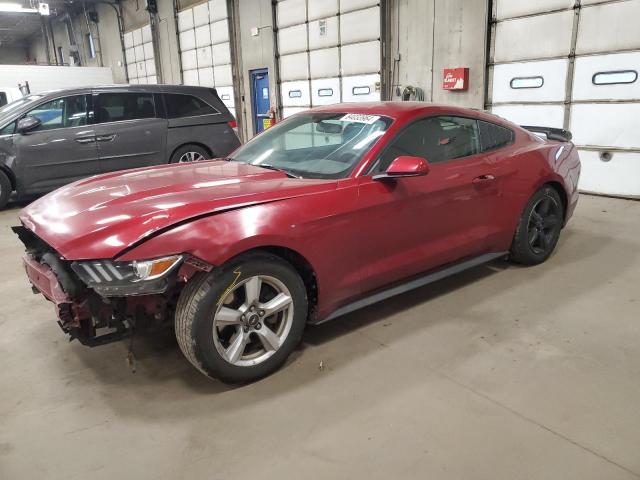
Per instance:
x=543, y=81
x=609, y=27
x=223, y=75
x=294, y=67
x=217, y=10
x=128, y=40
x=325, y=91
x=147, y=50
x=511, y=8
x=221, y=54
x=219, y=32
x=130, y=55
x=611, y=125
x=291, y=12
x=189, y=59
x=542, y=115
x=185, y=20
x=201, y=15
x=618, y=176
x=593, y=73
x=137, y=37
x=324, y=63
x=205, y=57
x=322, y=8
x=203, y=36
x=295, y=94
x=534, y=37
x=288, y=111
x=323, y=38
x=205, y=77
x=226, y=95
x=146, y=34
x=141, y=68
x=292, y=39
x=361, y=88
x=350, y=5
x=132, y=71
x=187, y=40
x=150, y=67
x=360, y=26
x=152, y=80
x=139, y=49
x=360, y=58
x=190, y=77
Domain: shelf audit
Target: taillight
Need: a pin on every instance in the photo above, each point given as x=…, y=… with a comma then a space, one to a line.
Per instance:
x=233, y=124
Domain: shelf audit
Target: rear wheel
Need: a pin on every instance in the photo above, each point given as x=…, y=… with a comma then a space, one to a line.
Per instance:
x=539, y=228
x=241, y=322
x=189, y=153
x=5, y=189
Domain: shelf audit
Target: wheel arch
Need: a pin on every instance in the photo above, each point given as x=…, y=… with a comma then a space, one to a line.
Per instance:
x=197, y=144
x=9, y=173
x=557, y=186
x=301, y=264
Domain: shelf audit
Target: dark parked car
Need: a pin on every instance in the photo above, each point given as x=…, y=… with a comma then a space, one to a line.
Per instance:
x=54, y=138
x=331, y=210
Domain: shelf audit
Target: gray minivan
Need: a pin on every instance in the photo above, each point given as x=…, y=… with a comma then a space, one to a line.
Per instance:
x=53, y=138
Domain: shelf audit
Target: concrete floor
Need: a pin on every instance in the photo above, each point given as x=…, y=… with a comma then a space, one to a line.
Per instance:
x=500, y=372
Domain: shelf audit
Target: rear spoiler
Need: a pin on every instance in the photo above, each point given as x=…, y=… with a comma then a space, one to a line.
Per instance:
x=558, y=134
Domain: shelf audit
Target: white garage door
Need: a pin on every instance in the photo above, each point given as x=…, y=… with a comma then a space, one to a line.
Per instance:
x=561, y=65
x=329, y=52
x=139, y=56
x=205, y=51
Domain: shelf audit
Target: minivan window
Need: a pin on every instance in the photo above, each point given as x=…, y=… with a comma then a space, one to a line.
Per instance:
x=494, y=136
x=179, y=106
x=61, y=113
x=115, y=107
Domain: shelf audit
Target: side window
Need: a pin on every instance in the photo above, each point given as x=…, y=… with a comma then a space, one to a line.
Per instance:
x=61, y=113
x=494, y=136
x=3, y=99
x=115, y=107
x=9, y=129
x=179, y=106
x=437, y=139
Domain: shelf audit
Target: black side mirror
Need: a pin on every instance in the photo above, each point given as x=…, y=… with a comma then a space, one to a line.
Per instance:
x=27, y=124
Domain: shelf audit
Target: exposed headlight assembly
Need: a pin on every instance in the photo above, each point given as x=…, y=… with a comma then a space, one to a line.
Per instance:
x=113, y=279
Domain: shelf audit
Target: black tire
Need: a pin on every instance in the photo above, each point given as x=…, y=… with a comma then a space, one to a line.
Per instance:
x=5, y=189
x=186, y=149
x=539, y=228
x=200, y=300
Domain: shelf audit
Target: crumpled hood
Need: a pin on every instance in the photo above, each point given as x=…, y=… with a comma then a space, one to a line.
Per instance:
x=101, y=216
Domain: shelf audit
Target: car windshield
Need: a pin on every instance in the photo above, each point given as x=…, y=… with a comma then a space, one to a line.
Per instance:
x=9, y=108
x=315, y=144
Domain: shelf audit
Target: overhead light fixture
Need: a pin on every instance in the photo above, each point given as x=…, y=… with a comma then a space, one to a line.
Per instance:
x=6, y=7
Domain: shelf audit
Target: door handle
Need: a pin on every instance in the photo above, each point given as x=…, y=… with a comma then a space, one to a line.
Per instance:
x=106, y=138
x=86, y=139
x=483, y=179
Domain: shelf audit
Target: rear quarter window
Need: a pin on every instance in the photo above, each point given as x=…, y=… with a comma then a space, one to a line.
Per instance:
x=181, y=106
x=494, y=136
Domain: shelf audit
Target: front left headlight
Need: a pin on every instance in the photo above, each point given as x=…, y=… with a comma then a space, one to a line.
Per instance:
x=110, y=278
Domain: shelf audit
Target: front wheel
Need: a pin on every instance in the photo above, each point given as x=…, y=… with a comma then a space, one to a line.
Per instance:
x=5, y=189
x=240, y=322
x=539, y=228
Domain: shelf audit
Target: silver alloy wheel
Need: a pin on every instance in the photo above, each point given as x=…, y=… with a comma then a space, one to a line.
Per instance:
x=253, y=320
x=190, y=157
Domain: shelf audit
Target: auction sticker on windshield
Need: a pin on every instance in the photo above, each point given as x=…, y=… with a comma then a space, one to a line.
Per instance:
x=359, y=118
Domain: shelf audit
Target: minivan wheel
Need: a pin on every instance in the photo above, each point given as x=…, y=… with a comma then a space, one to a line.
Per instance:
x=240, y=322
x=5, y=189
x=189, y=153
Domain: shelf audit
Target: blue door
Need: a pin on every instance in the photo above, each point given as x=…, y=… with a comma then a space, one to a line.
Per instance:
x=260, y=99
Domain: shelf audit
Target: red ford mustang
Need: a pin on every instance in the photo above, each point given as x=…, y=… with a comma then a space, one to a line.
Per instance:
x=331, y=210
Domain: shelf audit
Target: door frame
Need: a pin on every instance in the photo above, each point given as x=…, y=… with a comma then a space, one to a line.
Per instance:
x=254, y=114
